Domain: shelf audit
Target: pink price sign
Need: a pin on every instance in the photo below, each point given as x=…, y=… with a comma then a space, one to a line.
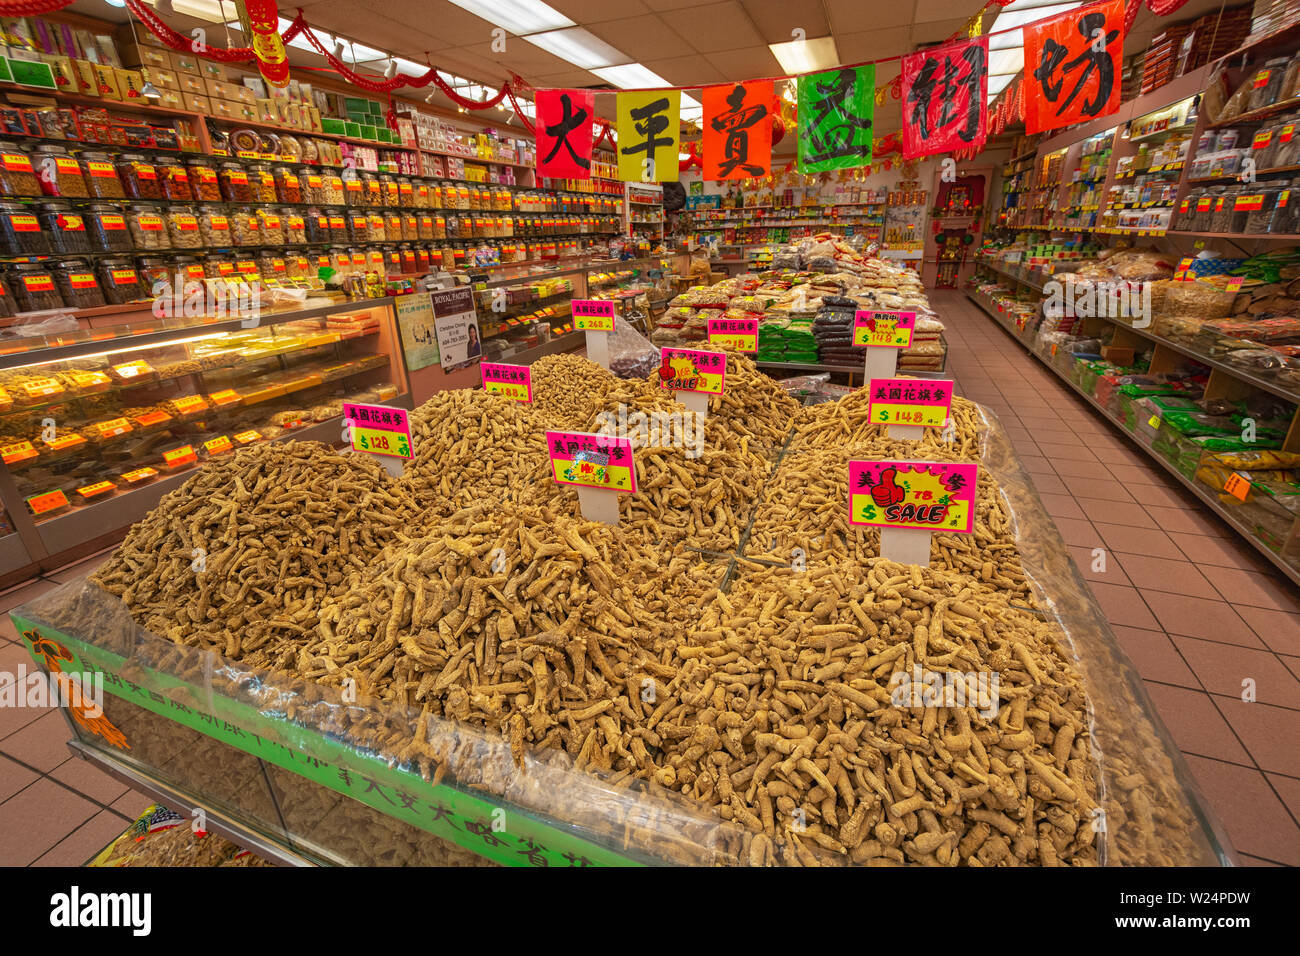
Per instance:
x=510, y=381
x=594, y=461
x=910, y=401
x=379, y=429
x=593, y=315
x=738, y=334
x=921, y=495
x=686, y=370
x=883, y=330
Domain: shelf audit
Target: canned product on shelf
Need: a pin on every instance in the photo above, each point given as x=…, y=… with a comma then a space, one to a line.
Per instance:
x=65, y=226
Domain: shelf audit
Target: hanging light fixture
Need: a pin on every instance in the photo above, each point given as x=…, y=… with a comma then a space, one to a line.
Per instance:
x=390, y=71
x=149, y=91
x=338, y=48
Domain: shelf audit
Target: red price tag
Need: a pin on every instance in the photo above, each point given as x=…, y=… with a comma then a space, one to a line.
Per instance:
x=225, y=397
x=1237, y=485
x=218, y=446
x=245, y=438
x=139, y=475
x=49, y=501
x=19, y=451
x=180, y=456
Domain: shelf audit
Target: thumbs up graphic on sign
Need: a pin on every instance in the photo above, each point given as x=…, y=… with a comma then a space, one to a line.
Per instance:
x=888, y=491
x=666, y=370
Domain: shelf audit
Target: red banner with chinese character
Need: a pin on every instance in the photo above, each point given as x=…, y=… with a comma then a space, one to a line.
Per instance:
x=564, y=133
x=944, y=92
x=738, y=130
x=1072, y=66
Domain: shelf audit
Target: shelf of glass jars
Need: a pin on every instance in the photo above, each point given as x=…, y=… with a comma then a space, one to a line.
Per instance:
x=1236, y=177
x=1259, y=115
x=1163, y=168
x=106, y=385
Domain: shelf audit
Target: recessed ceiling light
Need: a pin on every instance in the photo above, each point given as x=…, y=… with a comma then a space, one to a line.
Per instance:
x=806, y=56
x=520, y=17
x=580, y=47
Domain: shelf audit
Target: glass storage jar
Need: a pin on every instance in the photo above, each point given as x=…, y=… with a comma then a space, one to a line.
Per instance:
x=153, y=270
x=245, y=229
x=77, y=284
x=214, y=226
x=33, y=287
x=175, y=179
x=119, y=280
x=17, y=177
x=147, y=227
x=205, y=183
x=437, y=200
x=405, y=192
x=101, y=176
x=58, y=173
x=272, y=265
x=183, y=228
x=424, y=226
x=354, y=188
x=378, y=227
x=374, y=189
x=20, y=231
x=288, y=185
x=262, y=181
x=359, y=226
x=139, y=176
x=235, y=183
x=295, y=226
x=271, y=227
x=7, y=305
x=339, y=226
x=65, y=226
x=317, y=225
x=106, y=226
x=423, y=196
x=333, y=191
x=389, y=191
x=218, y=267
x=313, y=187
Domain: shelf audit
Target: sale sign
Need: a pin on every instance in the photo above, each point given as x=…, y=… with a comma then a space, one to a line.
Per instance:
x=740, y=335
x=593, y=461
x=920, y=495
x=593, y=315
x=511, y=381
x=688, y=370
x=883, y=330
x=379, y=429
x=910, y=401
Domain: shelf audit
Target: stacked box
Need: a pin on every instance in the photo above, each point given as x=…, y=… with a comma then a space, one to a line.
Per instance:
x=1161, y=58
x=1213, y=36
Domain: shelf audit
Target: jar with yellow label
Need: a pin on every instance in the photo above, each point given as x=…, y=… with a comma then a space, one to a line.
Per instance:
x=17, y=177
x=33, y=287
x=377, y=228
x=107, y=229
x=205, y=184
x=236, y=186
x=58, y=173
x=214, y=226
x=245, y=228
x=119, y=281
x=65, y=226
x=77, y=284
x=175, y=180
x=139, y=176
x=295, y=226
x=101, y=176
x=183, y=228
x=271, y=224
x=288, y=185
x=147, y=227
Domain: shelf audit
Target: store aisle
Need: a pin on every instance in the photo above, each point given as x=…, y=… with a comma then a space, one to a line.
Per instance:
x=1193, y=605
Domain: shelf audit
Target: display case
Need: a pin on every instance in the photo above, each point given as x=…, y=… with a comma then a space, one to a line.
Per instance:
x=98, y=423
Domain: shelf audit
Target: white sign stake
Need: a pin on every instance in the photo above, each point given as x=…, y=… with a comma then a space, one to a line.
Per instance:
x=907, y=432
x=598, y=504
x=905, y=545
x=880, y=363
x=697, y=402
x=598, y=348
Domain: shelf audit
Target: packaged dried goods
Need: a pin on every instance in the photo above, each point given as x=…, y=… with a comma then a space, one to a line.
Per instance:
x=295, y=226
x=245, y=227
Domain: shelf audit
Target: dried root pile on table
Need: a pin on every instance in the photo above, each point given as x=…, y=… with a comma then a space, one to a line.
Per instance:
x=241, y=557
x=805, y=506
x=846, y=422
x=753, y=404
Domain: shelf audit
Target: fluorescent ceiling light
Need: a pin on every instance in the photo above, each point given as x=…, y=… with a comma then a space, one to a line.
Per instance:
x=806, y=56
x=520, y=17
x=580, y=47
x=630, y=76
x=1007, y=50
x=209, y=10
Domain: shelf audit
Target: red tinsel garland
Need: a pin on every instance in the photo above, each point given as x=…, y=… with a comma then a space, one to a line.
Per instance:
x=27, y=8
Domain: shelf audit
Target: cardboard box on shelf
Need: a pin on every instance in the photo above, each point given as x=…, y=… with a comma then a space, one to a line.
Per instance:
x=212, y=71
x=192, y=83
x=171, y=99
x=198, y=104
x=314, y=121
x=84, y=77
x=106, y=84
x=162, y=79
x=185, y=63
x=65, y=74
x=134, y=55
x=131, y=83
x=246, y=96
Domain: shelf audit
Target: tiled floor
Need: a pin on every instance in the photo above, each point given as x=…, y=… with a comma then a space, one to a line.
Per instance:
x=1196, y=608
x=55, y=809
x=1193, y=605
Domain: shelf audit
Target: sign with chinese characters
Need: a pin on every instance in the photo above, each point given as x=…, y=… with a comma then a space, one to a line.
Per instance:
x=456, y=324
x=565, y=133
x=1072, y=66
x=379, y=429
x=917, y=495
x=944, y=92
x=419, y=331
x=883, y=330
x=836, y=114
x=740, y=335
x=510, y=381
x=592, y=461
x=649, y=136
x=737, y=136
x=687, y=370
x=593, y=315
x=910, y=401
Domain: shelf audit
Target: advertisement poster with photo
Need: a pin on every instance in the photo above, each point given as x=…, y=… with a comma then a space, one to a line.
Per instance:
x=456, y=323
x=419, y=338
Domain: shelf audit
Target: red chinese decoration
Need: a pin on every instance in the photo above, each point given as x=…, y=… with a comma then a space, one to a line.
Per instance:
x=943, y=103
x=738, y=130
x=264, y=27
x=1072, y=66
x=564, y=133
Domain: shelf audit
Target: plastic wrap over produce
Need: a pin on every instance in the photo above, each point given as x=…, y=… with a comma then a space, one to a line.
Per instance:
x=515, y=678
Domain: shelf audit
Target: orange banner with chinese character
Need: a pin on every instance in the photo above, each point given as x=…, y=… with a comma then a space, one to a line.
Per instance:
x=738, y=130
x=1072, y=66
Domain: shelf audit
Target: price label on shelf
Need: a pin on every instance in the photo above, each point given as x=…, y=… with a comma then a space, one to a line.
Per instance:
x=41, y=388
x=190, y=404
x=111, y=429
x=89, y=379
x=98, y=488
x=179, y=457
x=1154, y=421
x=50, y=501
x=910, y=401
x=64, y=442
x=138, y=475
x=883, y=330
x=224, y=397
x=379, y=429
x=129, y=370
x=218, y=446
x=1234, y=284
x=1237, y=485
x=149, y=419
x=17, y=452
x=593, y=315
x=510, y=381
x=248, y=437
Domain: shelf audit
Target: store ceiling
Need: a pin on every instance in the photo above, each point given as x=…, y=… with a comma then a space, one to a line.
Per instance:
x=681, y=42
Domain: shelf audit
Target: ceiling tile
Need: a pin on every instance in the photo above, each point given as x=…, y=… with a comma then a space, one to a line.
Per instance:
x=776, y=19
x=873, y=44
x=519, y=56
x=660, y=5
x=687, y=70
x=748, y=64
x=598, y=11
x=473, y=67
x=641, y=38
x=715, y=26
x=847, y=16
x=927, y=11
x=937, y=30
x=572, y=78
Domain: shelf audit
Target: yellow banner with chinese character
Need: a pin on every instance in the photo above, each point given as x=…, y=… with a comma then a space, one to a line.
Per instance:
x=649, y=136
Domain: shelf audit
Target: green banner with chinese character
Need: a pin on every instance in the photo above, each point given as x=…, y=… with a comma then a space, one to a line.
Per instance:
x=836, y=113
